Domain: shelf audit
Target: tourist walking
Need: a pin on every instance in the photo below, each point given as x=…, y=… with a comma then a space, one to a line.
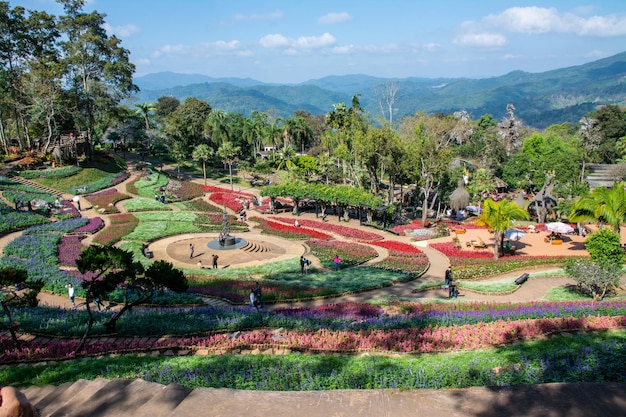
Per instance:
x=215, y=258
x=257, y=294
x=191, y=249
x=337, y=260
x=70, y=293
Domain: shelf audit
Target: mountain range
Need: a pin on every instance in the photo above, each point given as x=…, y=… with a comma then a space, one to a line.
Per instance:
x=540, y=99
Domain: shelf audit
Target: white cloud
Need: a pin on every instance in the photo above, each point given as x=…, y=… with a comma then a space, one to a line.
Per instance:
x=274, y=40
x=538, y=20
x=481, y=39
x=259, y=16
x=334, y=18
x=121, y=31
x=204, y=50
x=294, y=45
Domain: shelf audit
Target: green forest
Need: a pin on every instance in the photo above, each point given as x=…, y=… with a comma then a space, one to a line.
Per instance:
x=65, y=77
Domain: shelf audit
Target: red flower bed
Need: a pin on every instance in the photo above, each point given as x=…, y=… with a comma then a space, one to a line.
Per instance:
x=215, y=189
x=344, y=231
x=394, y=245
x=288, y=231
x=121, y=225
x=232, y=201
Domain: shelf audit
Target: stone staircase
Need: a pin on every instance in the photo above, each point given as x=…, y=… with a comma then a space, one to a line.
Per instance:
x=33, y=184
x=139, y=398
x=255, y=247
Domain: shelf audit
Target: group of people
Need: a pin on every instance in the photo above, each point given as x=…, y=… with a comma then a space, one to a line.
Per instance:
x=304, y=265
x=19, y=205
x=160, y=198
x=214, y=259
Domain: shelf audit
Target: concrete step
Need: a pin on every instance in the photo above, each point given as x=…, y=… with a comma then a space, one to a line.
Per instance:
x=36, y=185
x=121, y=398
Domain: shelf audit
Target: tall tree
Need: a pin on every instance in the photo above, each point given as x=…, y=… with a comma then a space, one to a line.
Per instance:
x=98, y=70
x=229, y=153
x=186, y=123
x=202, y=152
x=387, y=94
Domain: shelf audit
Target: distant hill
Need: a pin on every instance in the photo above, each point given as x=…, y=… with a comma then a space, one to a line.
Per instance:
x=540, y=99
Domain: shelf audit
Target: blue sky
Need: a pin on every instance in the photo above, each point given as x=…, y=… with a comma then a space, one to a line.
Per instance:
x=290, y=41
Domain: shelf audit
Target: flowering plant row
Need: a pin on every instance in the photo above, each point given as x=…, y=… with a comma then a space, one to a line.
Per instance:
x=69, y=249
x=238, y=291
x=350, y=253
x=200, y=204
x=106, y=200
x=216, y=189
x=341, y=316
x=121, y=225
x=411, y=340
x=93, y=225
x=344, y=231
x=232, y=201
x=288, y=231
x=394, y=245
x=16, y=220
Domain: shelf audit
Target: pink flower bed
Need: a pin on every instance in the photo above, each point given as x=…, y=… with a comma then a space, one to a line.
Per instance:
x=410, y=340
x=414, y=340
x=344, y=231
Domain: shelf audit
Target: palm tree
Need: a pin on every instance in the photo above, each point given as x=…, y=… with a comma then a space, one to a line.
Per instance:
x=144, y=110
x=228, y=152
x=607, y=205
x=202, y=153
x=219, y=127
x=287, y=155
x=499, y=216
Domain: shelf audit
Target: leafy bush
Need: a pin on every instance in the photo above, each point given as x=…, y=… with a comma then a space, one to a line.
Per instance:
x=604, y=246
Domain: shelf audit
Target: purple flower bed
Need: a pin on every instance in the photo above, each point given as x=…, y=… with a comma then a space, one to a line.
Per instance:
x=94, y=225
x=70, y=248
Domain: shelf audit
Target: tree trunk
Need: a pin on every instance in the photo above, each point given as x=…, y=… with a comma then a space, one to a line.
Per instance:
x=90, y=322
x=11, y=327
x=497, y=236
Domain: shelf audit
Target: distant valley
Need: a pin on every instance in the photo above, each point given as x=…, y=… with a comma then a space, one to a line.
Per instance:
x=540, y=99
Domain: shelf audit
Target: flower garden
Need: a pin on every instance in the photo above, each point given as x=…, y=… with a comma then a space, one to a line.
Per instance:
x=427, y=344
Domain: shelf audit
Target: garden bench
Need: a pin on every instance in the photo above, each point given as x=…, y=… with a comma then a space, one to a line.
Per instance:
x=81, y=190
x=557, y=242
x=521, y=279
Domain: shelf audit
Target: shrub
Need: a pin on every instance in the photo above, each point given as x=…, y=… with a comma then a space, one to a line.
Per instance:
x=604, y=246
x=594, y=278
